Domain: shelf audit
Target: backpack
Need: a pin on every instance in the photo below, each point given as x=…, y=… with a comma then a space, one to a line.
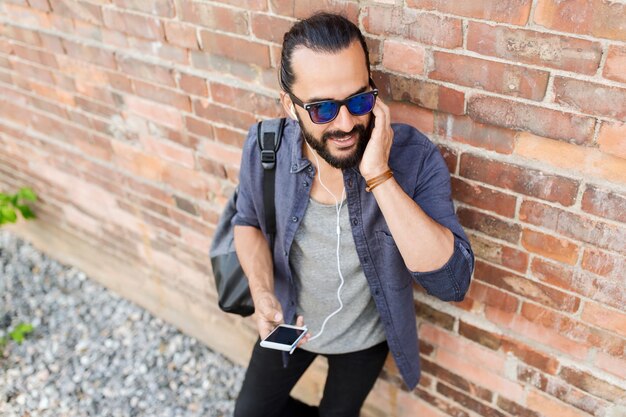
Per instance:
x=233, y=292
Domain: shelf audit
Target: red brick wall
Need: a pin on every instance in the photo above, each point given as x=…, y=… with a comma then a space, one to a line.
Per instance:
x=127, y=117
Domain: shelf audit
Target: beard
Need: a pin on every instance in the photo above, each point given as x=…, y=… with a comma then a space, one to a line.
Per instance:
x=351, y=160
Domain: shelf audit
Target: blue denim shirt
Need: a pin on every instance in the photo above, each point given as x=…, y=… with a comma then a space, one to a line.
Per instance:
x=422, y=173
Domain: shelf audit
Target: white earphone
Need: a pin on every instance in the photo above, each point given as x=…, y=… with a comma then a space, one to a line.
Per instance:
x=338, y=206
x=293, y=111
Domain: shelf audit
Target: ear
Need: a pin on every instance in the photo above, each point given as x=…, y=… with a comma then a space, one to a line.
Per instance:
x=288, y=105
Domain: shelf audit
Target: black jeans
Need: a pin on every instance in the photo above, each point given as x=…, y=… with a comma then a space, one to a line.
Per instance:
x=267, y=384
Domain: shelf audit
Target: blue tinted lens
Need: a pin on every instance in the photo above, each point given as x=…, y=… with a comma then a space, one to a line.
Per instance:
x=323, y=112
x=361, y=104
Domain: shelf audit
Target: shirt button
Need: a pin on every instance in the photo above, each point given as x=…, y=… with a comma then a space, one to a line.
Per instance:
x=285, y=253
x=355, y=222
x=350, y=183
x=294, y=219
x=376, y=292
x=294, y=167
x=310, y=169
x=305, y=183
x=293, y=303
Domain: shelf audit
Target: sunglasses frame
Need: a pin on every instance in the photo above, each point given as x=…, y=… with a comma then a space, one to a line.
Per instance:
x=344, y=102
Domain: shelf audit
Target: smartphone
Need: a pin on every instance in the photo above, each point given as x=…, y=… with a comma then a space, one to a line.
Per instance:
x=284, y=337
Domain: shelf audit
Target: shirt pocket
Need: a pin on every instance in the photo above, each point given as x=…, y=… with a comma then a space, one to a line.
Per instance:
x=394, y=273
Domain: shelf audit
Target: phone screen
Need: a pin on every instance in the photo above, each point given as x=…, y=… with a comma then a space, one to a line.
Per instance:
x=284, y=335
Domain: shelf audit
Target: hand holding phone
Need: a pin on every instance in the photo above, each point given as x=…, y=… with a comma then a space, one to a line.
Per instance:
x=284, y=337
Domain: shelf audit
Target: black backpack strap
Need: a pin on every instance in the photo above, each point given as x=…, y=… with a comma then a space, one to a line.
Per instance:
x=269, y=137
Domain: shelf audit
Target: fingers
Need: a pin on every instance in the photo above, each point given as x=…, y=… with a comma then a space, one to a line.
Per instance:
x=300, y=323
x=269, y=314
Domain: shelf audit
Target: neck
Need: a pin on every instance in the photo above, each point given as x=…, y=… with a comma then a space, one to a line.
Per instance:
x=329, y=190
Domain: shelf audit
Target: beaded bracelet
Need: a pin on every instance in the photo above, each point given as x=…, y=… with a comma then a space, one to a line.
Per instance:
x=376, y=181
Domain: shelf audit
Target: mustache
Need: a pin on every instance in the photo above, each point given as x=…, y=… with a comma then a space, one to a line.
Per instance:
x=358, y=129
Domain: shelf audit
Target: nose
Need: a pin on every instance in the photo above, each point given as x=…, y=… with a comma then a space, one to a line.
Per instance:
x=344, y=121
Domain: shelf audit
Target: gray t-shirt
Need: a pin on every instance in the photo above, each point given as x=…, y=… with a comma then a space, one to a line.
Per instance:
x=313, y=261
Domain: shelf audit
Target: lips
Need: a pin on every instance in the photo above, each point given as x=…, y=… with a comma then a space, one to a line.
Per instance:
x=344, y=142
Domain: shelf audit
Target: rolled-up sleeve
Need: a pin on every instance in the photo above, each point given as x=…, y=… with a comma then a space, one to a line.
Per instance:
x=246, y=210
x=433, y=195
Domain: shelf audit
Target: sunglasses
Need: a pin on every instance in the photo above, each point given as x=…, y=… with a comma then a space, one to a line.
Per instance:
x=325, y=111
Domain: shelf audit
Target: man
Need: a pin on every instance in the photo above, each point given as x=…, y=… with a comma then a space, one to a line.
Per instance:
x=363, y=209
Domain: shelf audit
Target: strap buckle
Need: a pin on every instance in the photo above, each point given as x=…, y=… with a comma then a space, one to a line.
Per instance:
x=268, y=158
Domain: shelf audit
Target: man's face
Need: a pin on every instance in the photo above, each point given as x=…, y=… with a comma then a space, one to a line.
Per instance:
x=322, y=76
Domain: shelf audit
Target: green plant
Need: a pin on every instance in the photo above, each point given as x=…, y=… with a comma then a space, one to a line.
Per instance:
x=17, y=335
x=11, y=203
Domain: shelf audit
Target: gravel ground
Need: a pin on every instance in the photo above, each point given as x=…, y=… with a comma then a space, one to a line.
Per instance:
x=93, y=353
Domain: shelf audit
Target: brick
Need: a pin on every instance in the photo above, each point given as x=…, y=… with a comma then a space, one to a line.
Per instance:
x=199, y=128
x=137, y=162
x=215, y=17
x=549, y=406
x=598, y=315
x=188, y=181
x=488, y=339
x=580, y=228
x=492, y=297
x=523, y=180
x=514, y=80
x=211, y=167
x=424, y=94
x=270, y=28
x=598, y=18
x=475, y=372
x=573, y=329
x=515, y=12
x=42, y=5
x=537, y=48
x=604, y=264
x=245, y=100
x=604, y=203
x=36, y=56
x=22, y=35
x=551, y=247
x=168, y=151
x=90, y=54
x=610, y=292
x=440, y=404
x=468, y=402
x=498, y=253
x=229, y=47
x=552, y=273
x=591, y=98
x=418, y=117
x=611, y=138
x=80, y=10
x=193, y=85
x=159, y=49
x=515, y=409
x=455, y=380
x=146, y=71
x=611, y=364
x=489, y=225
x=258, y=5
x=225, y=154
x=402, y=57
x=450, y=156
x=182, y=35
x=585, y=161
x=230, y=136
x=164, y=8
x=410, y=24
x=464, y=130
x=154, y=112
x=538, y=120
x=162, y=95
x=515, y=323
x=615, y=63
x=374, y=48
x=432, y=315
x=530, y=355
x=133, y=24
x=301, y=9
x=223, y=115
x=526, y=288
x=482, y=197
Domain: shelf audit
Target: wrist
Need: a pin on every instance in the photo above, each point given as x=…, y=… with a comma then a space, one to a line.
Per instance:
x=374, y=182
x=369, y=174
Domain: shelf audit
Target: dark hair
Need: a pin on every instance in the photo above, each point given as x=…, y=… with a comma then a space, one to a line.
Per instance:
x=322, y=32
